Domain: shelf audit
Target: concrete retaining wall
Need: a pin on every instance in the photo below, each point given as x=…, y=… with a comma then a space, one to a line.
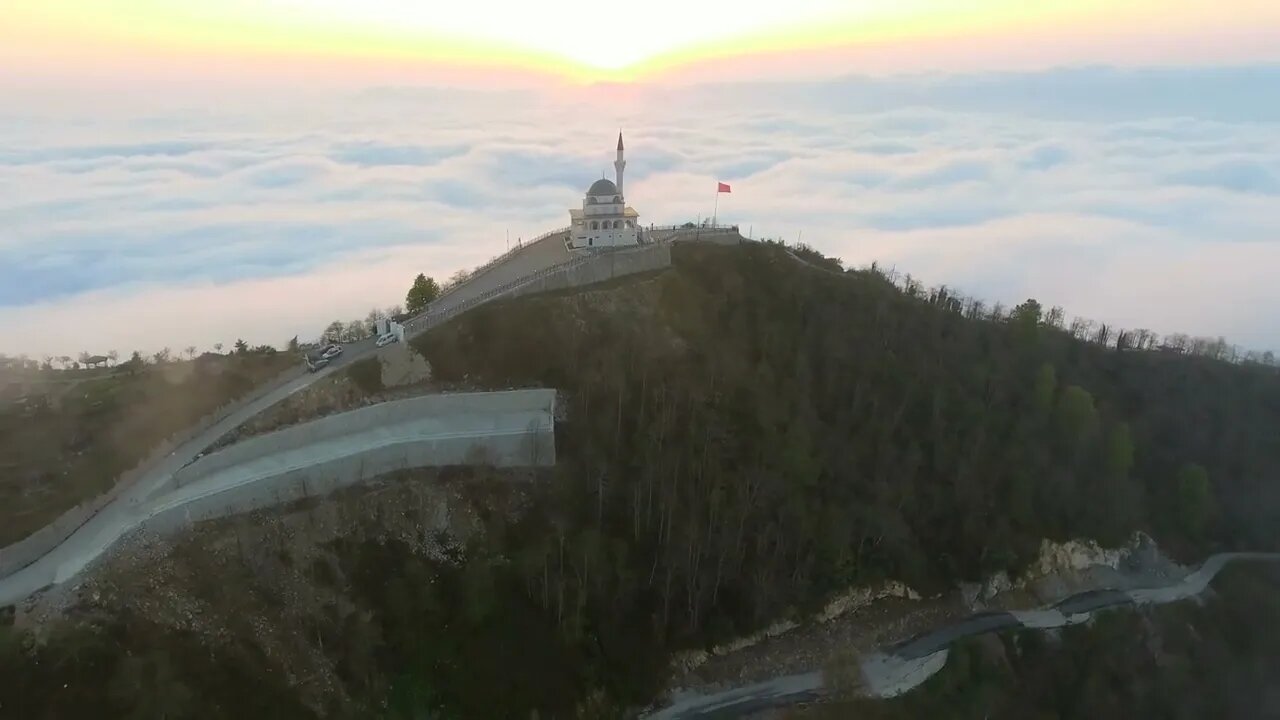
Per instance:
x=532, y=447
x=597, y=269
x=546, y=251
x=578, y=271
x=507, y=429
x=29, y=549
x=489, y=404
x=505, y=445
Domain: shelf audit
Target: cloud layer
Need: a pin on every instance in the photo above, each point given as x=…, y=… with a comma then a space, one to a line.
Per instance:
x=173, y=228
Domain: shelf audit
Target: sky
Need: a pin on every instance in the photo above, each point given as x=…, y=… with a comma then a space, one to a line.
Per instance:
x=176, y=173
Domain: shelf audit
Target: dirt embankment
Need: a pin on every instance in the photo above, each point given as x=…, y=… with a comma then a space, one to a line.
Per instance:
x=865, y=619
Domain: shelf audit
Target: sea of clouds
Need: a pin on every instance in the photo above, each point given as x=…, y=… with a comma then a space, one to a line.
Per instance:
x=1144, y=199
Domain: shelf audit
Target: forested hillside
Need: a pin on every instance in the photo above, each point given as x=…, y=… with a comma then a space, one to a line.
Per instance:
x=744, y=434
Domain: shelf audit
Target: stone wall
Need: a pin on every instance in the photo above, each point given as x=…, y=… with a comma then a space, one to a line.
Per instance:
x=598, y=268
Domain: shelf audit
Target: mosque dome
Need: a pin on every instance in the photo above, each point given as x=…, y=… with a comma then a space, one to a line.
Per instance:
x=603, y=187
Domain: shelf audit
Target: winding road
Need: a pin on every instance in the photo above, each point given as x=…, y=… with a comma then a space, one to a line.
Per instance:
x=903, y=666
x=88, y=541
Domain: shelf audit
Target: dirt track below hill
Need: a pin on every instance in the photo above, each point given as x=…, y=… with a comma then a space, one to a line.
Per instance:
x=809, y=646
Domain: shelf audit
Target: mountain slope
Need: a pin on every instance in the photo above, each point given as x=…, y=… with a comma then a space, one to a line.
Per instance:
x=745, y=435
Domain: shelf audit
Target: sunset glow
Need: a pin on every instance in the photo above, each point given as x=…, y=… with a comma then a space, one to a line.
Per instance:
x=590, y=41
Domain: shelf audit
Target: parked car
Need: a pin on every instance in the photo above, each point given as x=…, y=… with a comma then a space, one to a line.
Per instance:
x=386, y=339
x=314, y=364
x=331, y=352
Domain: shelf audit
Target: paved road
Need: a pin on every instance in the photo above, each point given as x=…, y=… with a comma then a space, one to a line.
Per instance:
x=64, y=561
x=148, y=497
x=931, y=642
x=905, y=665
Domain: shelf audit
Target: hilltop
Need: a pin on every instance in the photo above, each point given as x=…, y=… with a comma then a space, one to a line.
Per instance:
x=745, y=435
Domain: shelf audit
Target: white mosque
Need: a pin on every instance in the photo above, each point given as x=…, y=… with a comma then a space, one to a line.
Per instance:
x=605, y=220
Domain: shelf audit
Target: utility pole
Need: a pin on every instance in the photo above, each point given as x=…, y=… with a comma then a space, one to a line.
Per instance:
x=508, y=239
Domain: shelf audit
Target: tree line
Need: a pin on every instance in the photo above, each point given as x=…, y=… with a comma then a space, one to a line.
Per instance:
x=1080, y=328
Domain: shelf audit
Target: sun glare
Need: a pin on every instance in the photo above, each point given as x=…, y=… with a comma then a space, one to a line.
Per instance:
x=576, y=39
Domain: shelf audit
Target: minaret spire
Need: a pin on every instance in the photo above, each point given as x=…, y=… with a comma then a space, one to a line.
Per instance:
x=620, y=164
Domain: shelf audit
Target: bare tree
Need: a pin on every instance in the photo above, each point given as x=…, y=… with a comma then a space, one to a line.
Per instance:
x=1055, y=317
x=355, y=330
x=1081, y=328
x=1142, y=339
x=113, y=356
x=1234, y=353
x=456, y=279
x=1103, y=334
x=217, y=347
x=191, y=352
x=912, y=286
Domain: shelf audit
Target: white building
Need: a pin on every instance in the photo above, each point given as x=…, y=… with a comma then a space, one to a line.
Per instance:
x=605, y=220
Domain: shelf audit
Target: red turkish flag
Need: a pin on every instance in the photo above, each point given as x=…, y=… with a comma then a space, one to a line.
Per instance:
x=724, y=187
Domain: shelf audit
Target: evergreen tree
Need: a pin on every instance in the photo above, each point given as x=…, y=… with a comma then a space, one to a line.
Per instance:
x=423, y=293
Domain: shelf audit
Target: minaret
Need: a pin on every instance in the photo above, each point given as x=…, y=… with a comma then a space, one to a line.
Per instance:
x=619, y=165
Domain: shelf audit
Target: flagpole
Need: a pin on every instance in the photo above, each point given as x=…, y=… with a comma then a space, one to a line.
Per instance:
x=715, y=216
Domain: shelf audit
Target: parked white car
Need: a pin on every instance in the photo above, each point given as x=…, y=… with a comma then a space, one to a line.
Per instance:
x=331, y=352
x=387, y=339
